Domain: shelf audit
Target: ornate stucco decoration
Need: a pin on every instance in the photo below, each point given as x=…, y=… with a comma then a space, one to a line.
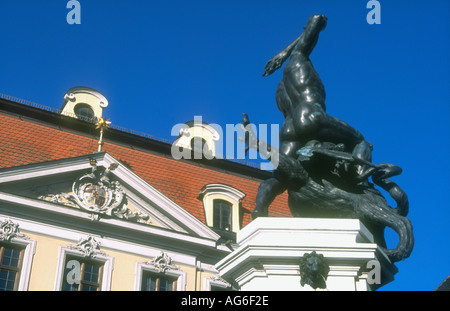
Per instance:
x=97, y=193
x=89, y=247
x=10, y=230
x=218, y=279
x=162, y=263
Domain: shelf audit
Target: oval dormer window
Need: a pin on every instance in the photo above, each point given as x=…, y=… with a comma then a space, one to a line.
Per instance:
x=84, y=112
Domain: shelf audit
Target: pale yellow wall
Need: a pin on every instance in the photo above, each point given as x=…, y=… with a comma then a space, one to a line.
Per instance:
x=45, y=263
x=124, y=273
x=201, y=276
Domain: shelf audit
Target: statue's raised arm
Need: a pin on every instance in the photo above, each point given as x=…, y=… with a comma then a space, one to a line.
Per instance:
x=305, y=43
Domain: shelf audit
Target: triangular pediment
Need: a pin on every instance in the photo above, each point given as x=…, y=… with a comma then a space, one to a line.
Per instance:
x=99, y=186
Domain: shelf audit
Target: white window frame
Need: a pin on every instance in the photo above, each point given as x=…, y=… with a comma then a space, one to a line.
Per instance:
x=107, y=261
x=25, y=271
x=14, y=237
x=180, y=275
x=211, y=192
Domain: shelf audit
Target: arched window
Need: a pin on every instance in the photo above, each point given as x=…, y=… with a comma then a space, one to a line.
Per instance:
x=84, y=112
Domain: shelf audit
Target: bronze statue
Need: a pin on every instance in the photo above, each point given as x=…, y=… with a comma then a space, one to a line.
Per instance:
x=324, y=163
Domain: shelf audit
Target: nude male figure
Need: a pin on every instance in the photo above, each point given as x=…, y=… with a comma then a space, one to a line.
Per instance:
x=300, y=96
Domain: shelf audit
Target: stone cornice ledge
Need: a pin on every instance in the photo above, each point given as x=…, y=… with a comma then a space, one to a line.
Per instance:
x=60, y=216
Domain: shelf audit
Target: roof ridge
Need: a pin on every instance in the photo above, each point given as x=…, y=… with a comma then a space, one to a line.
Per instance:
x=117, y=127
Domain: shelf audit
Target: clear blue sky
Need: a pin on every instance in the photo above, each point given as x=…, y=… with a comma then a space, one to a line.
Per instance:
x=160, y=63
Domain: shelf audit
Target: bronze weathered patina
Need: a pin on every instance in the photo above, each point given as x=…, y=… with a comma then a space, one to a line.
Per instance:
x=314, y=270
x=324, y=163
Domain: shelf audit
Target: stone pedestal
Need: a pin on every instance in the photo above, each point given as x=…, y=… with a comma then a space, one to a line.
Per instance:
x=270, y=249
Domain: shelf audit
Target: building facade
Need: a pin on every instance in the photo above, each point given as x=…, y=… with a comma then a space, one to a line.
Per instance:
x=77, y=213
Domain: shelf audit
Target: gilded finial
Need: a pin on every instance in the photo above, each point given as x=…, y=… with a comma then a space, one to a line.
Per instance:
x=102, y=124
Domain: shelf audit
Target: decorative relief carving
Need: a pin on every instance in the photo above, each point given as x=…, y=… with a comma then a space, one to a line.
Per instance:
x=218, y=279
x=62, y=198
x=95, y=192
x=162, y=263
x=10, y=230
x=89, y=247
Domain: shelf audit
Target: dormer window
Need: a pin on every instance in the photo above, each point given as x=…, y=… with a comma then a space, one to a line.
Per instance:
x=197, y=140
x=222, y=207
x=84, y=112
x=84, y=103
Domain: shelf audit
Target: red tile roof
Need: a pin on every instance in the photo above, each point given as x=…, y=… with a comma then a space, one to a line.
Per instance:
x=25, y=141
